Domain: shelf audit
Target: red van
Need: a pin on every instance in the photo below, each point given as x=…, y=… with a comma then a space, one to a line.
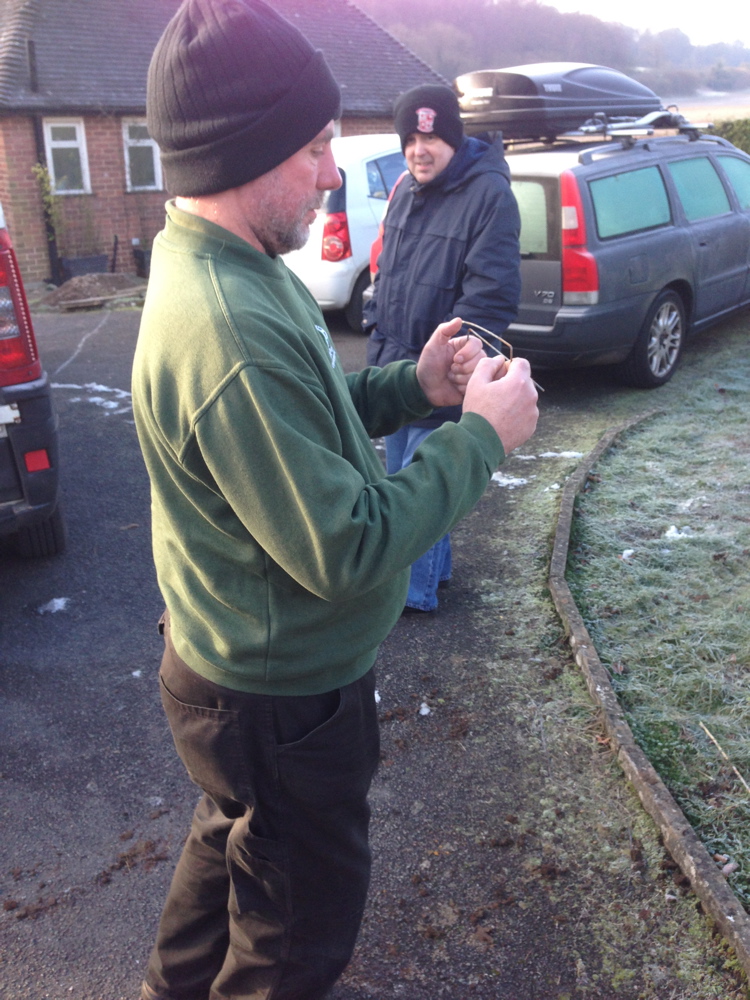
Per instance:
x=29, y=509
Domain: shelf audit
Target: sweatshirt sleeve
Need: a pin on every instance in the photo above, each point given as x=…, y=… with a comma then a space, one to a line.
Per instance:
x=271, y=449
x=387, y=398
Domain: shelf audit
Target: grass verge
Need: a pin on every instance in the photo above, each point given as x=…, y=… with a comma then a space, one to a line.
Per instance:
x=660, y=569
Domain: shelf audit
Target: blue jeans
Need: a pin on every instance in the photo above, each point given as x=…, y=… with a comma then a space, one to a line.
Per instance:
x=434, y=566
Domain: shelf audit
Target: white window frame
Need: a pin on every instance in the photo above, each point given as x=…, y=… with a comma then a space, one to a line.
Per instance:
x=78, y=143
x=128, y=143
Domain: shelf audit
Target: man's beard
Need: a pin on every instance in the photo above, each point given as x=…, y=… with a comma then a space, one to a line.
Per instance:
x=281, y=236
x=278, y=233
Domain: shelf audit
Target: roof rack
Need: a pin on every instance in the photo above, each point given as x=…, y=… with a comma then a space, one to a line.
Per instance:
x=617, y=132
x=633, y=128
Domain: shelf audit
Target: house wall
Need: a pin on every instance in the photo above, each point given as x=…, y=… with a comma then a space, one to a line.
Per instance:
x=21, y=198
x=366, y=126
x=93, y=221
x=90, y=222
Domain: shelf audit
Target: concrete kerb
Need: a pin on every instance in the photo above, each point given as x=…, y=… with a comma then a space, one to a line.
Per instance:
x=679, y=837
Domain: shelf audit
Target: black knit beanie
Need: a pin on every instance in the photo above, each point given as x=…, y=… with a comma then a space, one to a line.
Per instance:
x=233, y=90
x=432, y=108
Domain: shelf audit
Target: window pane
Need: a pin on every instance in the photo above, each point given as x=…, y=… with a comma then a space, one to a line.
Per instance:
x=630, y=202
x=375, y=182
x=63, y=133
x=137, y=133
x=532, y=205
x=142, y=172
x=335, y=201
x=739, y=174
x=391, y=167
x=66, y=167
x=699, y=188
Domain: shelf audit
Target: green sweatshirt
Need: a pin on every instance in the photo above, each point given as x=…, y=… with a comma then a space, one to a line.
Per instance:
x=282, y=549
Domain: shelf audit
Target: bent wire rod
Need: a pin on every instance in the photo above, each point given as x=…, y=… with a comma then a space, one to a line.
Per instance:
x=473, y=327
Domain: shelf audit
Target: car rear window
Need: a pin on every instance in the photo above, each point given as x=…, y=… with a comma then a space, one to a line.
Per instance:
x=699, y=188
x=538, y=206
x=738, y=172
x=532, y=206
x=630, y=202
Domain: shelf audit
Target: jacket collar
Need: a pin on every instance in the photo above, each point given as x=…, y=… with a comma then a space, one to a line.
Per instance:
x=473, y=155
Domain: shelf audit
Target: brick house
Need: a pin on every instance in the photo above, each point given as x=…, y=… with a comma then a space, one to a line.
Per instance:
x=73, y=97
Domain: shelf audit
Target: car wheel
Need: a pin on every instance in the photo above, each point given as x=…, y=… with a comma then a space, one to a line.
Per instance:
x=655, y=354
x=47, y=538
x=353, y=311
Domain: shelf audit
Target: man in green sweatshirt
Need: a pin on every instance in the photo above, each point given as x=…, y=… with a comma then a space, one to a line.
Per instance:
x=281, y=547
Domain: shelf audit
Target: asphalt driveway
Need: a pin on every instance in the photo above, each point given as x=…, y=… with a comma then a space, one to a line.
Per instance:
x=512, y=862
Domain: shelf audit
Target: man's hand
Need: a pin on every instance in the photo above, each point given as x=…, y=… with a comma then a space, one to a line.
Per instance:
x=503, y=393
x=446, y=364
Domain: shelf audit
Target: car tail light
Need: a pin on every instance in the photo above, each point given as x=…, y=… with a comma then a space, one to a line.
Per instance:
x=336, y=242
x=580, y=275
x=19, y=360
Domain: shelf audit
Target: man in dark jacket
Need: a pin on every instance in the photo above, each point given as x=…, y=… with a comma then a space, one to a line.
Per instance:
x=450, y=249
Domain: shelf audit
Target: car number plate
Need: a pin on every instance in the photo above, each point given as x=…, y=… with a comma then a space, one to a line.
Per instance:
x=8, y=415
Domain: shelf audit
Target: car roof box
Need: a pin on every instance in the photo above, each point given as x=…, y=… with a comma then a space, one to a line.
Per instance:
x=544, y=100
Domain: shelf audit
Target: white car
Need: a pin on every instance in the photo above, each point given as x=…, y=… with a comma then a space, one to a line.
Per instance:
x=335, y=262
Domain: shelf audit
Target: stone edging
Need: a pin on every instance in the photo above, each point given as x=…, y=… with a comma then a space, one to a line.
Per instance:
x=679, y=838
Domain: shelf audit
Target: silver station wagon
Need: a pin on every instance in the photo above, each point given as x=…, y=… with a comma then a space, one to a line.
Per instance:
x=635, y=227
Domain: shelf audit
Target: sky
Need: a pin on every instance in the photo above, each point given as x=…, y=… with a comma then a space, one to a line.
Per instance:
x=703, y=23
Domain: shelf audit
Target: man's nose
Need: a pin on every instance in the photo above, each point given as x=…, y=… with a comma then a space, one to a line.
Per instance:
x=329, y=178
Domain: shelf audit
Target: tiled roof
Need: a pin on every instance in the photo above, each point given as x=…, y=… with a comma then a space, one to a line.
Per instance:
x=371, y=66
x=82, y=55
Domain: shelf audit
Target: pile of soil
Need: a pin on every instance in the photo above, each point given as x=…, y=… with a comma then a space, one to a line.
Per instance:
x=87, y=287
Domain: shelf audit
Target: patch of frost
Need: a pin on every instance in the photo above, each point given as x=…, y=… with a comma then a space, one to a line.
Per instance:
x=53, y=606
x=675, y=532
x=508, y=482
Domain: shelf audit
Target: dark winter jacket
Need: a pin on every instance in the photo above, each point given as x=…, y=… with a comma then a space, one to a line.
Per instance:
x=450, y=248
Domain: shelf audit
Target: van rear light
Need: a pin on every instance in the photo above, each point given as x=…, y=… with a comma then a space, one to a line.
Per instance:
x=36, y=461
x=19, y=360
x=336, y=242
x=580, y=274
